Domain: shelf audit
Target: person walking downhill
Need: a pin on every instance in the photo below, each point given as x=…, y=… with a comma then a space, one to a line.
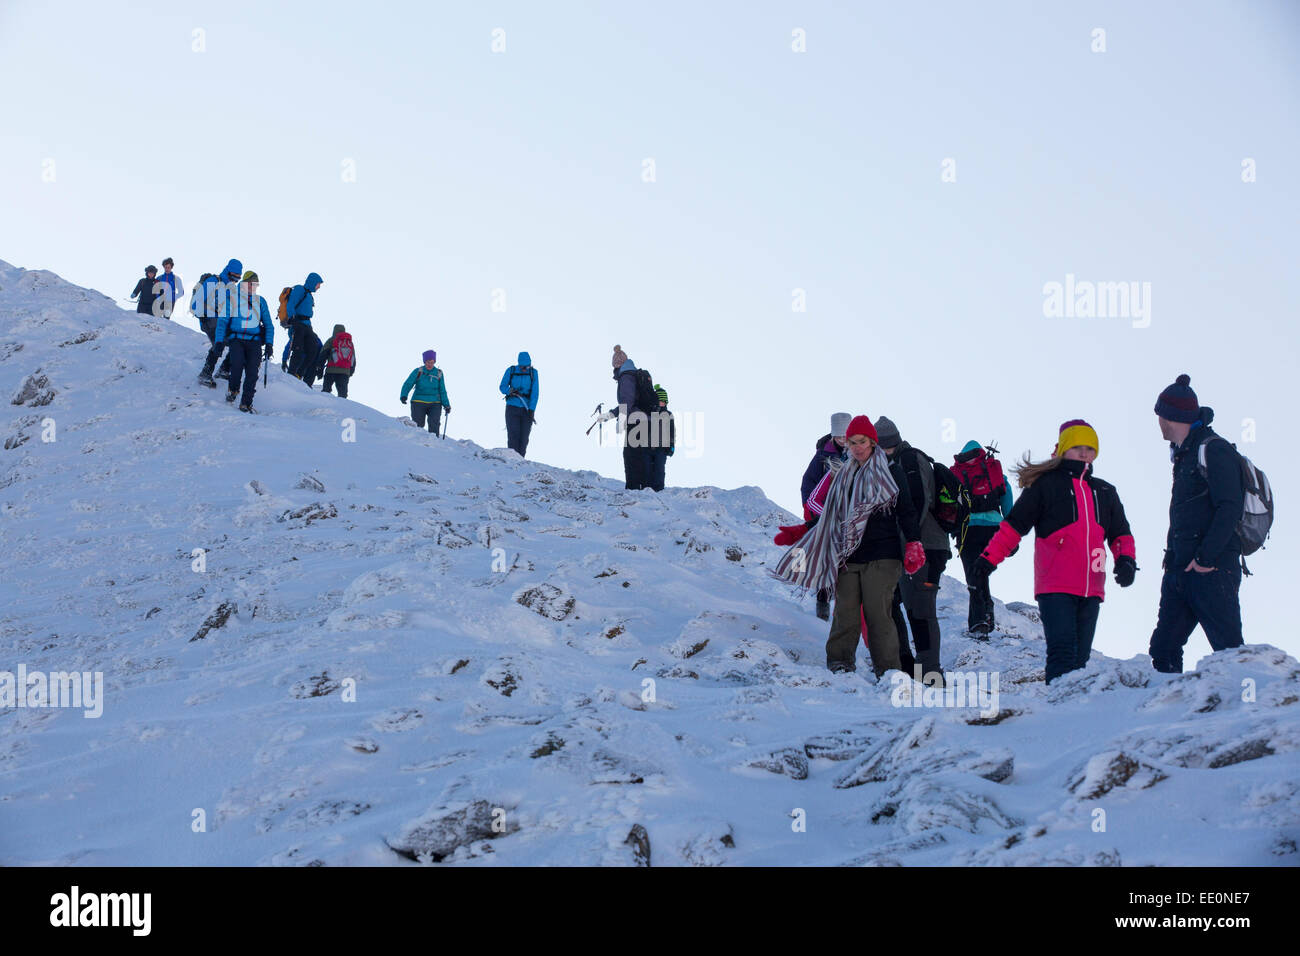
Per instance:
x=337, y=361
x=174, y=287
x=1072, y=512
x=991, y=501
x=520, y=386
x=216, y=295
x=300, y=308
x=829, y=446
x=249, y=336
x=852, y=542
x=430, y=393
x=147, y=290
x=917, y=593
x=663, y=440
x=1201, y=583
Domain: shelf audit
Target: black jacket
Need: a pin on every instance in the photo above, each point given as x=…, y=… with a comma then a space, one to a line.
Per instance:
x=1204, y=509
x=887, y=530
x=1049, y=504
x=144, y=289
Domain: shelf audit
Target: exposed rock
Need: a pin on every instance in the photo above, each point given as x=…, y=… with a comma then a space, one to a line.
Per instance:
x=320, y=685
x=790, y=762
x=640, y=843
x=310, y=483
x=442, y=831
x=1113, y=768
x=217, y=619
x=548, y=601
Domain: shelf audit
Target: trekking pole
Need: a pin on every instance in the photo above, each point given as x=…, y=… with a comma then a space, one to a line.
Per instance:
x=598, y=420
x=446, y=418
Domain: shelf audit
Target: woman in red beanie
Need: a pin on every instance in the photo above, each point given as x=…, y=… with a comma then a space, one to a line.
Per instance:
x=858, y=522
x=1074, y=515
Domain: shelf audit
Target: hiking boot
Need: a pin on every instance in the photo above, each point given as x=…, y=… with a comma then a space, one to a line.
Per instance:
x=231, y=396
x=979, y=632
x=223, y=373
x=205, y=378
x=824, y=610
x=245, y=407
x=841, y=667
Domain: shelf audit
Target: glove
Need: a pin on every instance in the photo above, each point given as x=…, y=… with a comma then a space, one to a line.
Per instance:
x=268, y=351
x=913, y=557
x=1125, y=569
x=790, y=534
x=983, y=567
x=671, y=450
x=448, y=408
x=403, y=400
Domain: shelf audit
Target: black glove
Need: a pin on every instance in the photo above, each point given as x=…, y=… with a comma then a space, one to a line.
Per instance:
x=983, y=567
x=448, y=408
x=403, y=401
x=671, y=450
x=267, y=351
x=1125, y=568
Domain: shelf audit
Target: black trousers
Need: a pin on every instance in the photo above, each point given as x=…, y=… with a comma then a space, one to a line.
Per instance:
x=918, y=594
x=209, y=326
x=246, y=362
x=519, y=425
x=636, y=467
x=1187, y=598
x=426, y=411
x=980, y=615
x=306, y=348
x=1069, y=622
x=336, y=378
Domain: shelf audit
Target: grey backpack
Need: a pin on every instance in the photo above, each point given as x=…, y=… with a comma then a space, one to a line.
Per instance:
x=1257, y=499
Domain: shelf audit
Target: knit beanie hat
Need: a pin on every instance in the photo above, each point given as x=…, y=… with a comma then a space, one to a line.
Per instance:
x=662, y=393
x=861, y=425
x=339, y=328
x=619, y=356
x=250, y=276
x=888, y=432
x=431, y=354
x=1178, y=402
x=1075, y=432
x=839, y=422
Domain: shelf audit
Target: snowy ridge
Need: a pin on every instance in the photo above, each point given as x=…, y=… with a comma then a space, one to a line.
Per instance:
x=496, y=620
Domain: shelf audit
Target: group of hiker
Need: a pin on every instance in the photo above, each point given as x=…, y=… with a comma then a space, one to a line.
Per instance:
x=876, y=533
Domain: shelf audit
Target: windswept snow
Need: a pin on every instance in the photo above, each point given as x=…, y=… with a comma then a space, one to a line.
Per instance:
x=399, y=650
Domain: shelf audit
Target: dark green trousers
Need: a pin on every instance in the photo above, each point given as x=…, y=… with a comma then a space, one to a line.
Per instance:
x=865, y=590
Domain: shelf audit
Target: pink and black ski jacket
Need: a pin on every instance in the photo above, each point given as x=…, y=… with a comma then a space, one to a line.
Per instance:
x=1075, y=515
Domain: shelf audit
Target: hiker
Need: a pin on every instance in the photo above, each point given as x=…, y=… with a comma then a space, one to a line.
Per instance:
x=852, y=542
x=991, y=500
x=1202, y=564
x=917, y=593
x=1072, y=512
x=635, y=401
x=663, y=440
x=174, y=287
x=430, y=395
x=828, y=446
x=147, y=290
x=519, y=386
x=249, y=336
x=300, y=307
x=216, y=295
x=337, y=361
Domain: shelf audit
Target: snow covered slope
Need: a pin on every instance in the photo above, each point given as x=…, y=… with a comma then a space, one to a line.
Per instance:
x=319, y=650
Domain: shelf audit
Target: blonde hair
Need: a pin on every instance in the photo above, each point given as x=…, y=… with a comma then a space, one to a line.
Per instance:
x=1027, y=472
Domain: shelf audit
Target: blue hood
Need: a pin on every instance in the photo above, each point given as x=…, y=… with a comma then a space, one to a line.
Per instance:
x=525, y=359
x=235, y=266
x=625, y=367
x=313, y=282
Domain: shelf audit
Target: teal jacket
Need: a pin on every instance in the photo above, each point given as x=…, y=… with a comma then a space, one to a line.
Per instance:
x=991, y=519
x=429, y=386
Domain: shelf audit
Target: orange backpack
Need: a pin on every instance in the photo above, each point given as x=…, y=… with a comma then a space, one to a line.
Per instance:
x=282, y=313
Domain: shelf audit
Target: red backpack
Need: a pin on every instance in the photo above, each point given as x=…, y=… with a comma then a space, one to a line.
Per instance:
x=985, y=481
x=341, y=355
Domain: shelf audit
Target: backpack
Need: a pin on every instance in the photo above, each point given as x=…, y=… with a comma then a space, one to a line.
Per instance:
x=1257, y=499
x=342, y=355
x=986, y=489
x=646, y=399
x=516, y=370
x=197, y=304
x=951, y=505
x=282, y=313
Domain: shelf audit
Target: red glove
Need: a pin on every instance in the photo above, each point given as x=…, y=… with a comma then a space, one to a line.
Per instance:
x=913, y=557
x=790, y=534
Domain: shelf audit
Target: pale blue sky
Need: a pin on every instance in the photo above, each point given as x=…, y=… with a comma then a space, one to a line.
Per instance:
x=775, y=170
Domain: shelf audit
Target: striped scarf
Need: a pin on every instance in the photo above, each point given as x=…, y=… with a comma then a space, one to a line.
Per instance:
x=856, y=493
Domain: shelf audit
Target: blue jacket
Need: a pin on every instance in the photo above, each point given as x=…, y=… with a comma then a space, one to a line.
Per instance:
x=523, y=379
x=626, y=394
x=216, y=296
x=826, y=448
x=252, y=321
x=429, y=386
x=302, y=304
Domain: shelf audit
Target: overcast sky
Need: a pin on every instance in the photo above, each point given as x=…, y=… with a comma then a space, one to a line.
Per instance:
x=683, y=178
